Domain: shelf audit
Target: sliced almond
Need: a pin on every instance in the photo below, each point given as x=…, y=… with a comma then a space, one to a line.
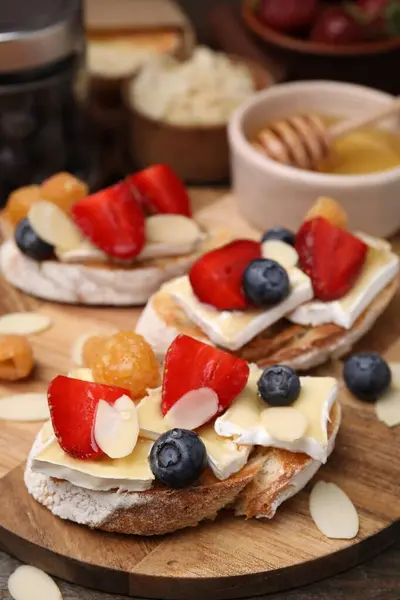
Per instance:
x=24, y=323
x=30, y=583
x=86, y=252
x=24, y=407
x=171, y=229
x=47, y=432
x=282, y=253
x=333, y=512
x=53, y=226
x=284, y=423
x=193, y=410
x=116, y=428
x=330, y=210
x=82, y=374
x=387, y=408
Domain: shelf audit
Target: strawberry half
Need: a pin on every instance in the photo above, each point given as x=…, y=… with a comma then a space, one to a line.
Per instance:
x=160, y=191
x=113, y=220
x=216, y=278
x=332, y=257
x=73, y=405
x=191, y=365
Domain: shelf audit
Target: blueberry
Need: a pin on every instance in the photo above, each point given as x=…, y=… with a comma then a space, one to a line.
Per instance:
x=279, y=386
x=265, y=282
x=30, y=244
x=178, y=458
x=367, y=375
x=281, y=234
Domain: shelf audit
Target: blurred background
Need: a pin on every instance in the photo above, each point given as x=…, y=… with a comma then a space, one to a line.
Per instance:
x=99, y=88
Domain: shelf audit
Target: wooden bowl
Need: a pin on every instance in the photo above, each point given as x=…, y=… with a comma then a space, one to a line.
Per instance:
x=369, y=63
x=198, y=154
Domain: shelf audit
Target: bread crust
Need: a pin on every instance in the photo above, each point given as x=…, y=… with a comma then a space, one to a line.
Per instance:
x=269, y=478
x=298, y=346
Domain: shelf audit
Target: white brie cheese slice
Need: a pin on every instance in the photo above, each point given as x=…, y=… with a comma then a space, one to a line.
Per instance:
x=234, y=329
x=131, y=474
x=380, y=268
x=225, y=456
x=243, y=422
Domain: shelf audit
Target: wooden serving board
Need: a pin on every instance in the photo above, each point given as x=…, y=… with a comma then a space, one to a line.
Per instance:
x=228, y=558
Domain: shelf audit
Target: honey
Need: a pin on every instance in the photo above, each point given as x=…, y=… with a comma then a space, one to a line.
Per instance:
x=367, y=150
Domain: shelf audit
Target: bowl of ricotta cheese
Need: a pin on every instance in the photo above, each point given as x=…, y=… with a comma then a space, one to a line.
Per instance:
x=179, y=111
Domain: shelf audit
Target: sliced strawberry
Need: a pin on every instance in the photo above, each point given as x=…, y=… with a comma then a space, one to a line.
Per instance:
x=73, y=404
x=113, y=220
x=216, y=278
x=332, y=257
x=191, y=365
x=159, y=190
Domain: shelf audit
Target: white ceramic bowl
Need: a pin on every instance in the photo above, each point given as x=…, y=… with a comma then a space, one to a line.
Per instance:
x=269, y=193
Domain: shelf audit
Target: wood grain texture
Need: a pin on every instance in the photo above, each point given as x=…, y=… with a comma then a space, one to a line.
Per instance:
x=228, y=558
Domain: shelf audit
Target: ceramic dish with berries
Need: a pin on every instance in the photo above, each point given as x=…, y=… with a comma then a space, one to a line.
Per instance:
x=112, y=247
x=336, y=27
x=295, y=299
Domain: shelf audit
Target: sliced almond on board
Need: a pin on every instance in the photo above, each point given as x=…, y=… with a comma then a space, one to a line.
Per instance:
x=29, y=583
x=171, y=229
x=282, y=253
x=53, y=226
x=194, y=409
x=285, y=423
x=24, y=323
x=387, y=408
x=24, y=407
x=82, y=374
x=116, y=427
x=333, y=512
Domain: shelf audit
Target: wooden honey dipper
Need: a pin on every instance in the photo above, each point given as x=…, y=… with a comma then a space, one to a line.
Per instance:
x=304, y=141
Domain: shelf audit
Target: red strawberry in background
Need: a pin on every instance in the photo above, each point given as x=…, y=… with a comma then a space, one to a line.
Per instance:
x=336, y=25
x=287, y=15
x=73, y=404
x=191, y=365
x=113, y=220
x=332, y=257
x=160, y=191
x=216, y=277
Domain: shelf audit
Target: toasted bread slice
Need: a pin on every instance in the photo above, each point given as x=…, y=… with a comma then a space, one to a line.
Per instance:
x=270, y=477
x=97, y=284
x=298, y=346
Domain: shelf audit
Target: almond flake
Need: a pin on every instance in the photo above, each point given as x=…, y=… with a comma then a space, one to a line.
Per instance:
x=24, y=323
x=333, y=512
x=53, y=226
x=85, y=252
x=30, y=583
x=47, y=432
x=284, y=423
x=387, y=408
x=24, y=407
x=193, y=410
x=282, y=253
x=116, y=427
x=171, y=229
x=82, y=374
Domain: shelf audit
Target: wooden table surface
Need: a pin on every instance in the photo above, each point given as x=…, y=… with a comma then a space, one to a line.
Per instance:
x=376, y=580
